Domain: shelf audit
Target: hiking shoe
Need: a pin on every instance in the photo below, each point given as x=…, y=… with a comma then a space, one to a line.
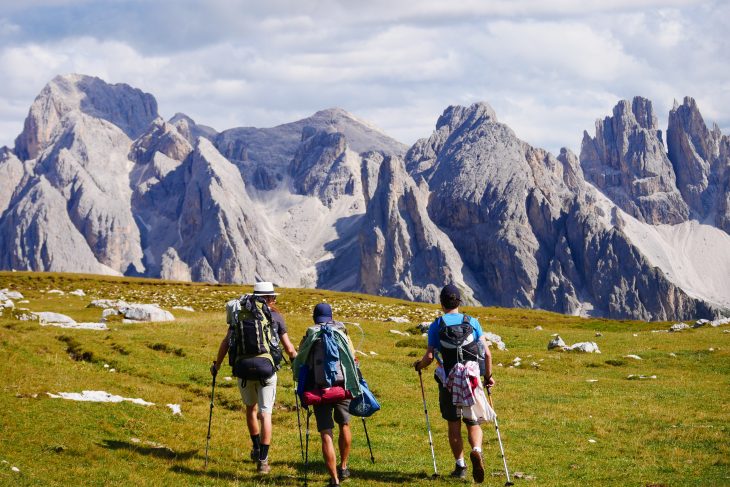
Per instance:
x=477, y=466
x=332, y=484
x=459, y=472
x=254, y=454
x=262, y=466
x=343, y=473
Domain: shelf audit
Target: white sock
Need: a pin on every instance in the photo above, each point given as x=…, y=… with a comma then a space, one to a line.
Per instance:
x=477, y=449
x=460, y=462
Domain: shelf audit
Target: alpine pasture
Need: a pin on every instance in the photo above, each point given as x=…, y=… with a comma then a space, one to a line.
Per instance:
x=566, y=418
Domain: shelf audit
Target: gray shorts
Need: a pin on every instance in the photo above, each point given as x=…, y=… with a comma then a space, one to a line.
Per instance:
x=253, y=392
x=323, y=414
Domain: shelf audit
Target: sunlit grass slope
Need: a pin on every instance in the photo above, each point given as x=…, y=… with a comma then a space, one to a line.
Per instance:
x=672, y=430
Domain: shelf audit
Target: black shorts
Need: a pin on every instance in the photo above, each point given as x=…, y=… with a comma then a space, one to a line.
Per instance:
x=448, y=411
x=323, y=414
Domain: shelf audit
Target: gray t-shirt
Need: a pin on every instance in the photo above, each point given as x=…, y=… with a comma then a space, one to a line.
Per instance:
x=278, y=324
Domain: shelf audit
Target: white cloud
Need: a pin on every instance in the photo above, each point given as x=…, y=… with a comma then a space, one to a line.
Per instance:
x=548, y=68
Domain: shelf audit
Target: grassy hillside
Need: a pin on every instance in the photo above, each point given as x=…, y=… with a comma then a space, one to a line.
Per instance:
x=672, y=430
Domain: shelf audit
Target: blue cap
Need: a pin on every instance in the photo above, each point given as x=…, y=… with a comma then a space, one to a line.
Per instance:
x=322, y=313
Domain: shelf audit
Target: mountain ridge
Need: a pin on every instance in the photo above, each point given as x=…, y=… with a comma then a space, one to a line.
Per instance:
x=331, y=201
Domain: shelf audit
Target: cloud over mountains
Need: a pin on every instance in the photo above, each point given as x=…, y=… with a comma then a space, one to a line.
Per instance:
x=546, y=68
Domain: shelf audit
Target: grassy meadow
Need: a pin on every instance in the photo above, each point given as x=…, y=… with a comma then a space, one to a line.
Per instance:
x=566, y=419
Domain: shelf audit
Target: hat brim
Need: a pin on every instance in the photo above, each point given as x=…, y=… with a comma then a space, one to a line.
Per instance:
x=322, y=319
x=265, y=294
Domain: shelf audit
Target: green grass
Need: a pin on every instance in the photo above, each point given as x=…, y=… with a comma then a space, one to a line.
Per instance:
x=669, y=431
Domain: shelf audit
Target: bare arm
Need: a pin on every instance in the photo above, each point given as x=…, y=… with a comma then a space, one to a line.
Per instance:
x=489, y=380
x=288, y=347
x=222, y=351
x=425, y=360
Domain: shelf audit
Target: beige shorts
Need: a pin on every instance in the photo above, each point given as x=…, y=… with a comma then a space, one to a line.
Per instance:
x=253, y=392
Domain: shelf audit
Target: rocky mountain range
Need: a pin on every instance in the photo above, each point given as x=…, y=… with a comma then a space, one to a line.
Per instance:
x=633, y=227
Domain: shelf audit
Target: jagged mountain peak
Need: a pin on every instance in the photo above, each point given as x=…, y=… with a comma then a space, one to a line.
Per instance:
x=128, y=108
x=457, y=115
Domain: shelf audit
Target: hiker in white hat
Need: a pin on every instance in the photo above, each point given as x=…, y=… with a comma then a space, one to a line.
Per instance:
x=256, y=372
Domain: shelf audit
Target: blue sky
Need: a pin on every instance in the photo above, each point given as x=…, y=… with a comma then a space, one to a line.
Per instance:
x=549, y=69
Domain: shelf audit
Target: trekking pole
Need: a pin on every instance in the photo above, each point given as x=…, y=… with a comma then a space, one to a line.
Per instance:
x=299, y=422
x=306, y=451
x=210, y=418
x=428, y=425
x=372, y=458
x=499, y=438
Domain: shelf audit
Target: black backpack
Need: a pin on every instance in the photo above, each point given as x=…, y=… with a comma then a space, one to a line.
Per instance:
x=253, y=350
x=458, y=344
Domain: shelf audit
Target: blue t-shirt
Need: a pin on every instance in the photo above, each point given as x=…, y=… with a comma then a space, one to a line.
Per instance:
x=451, y=319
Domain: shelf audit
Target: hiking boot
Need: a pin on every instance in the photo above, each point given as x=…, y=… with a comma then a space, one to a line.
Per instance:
x=477, y=466
x=332, y=484
x=262, y=466
x=254, y=454
x=343, y=473
x=459, y=472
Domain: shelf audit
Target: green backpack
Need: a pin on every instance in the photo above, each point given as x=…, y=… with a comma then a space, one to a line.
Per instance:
x=253, y=350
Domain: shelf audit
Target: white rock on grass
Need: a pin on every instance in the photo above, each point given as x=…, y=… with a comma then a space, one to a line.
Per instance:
x=586, y=347
x=109, y=312
x=12, y=294
x=398, y=319
x=538, y=328
x=107, y=303
x=720, y=322
x=51, y=318
x=7, y=304
x=184, y=308
x=398, y=332
x=97, y=396
x=495, y=340
x=556, y=342
x=679, y=327
x=640, y=377
x=56, y=291
x=15, y=469
x=635, y=357
x=78, y=292
x=176, y=410
x=145, y=312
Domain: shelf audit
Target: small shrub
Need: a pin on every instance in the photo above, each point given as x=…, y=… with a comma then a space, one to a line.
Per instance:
x=616, y=363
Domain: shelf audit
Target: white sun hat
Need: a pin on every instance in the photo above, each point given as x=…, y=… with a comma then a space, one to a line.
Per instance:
x=264, y=288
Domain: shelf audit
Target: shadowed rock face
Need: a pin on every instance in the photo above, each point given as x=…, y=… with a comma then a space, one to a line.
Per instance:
x=403, y=253
x=701, y=160
x=628, y=162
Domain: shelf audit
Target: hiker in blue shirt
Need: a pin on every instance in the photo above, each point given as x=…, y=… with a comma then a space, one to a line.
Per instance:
x=450, y=298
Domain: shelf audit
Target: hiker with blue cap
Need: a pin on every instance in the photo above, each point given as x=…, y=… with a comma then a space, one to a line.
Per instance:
x=462, y=346
x=327, y=379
